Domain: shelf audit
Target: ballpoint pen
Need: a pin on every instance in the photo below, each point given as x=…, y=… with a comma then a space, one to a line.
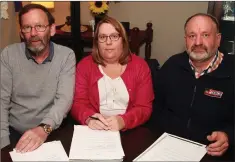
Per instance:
x=96, y=118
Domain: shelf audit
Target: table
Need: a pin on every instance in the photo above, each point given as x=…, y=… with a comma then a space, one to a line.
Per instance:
x=134, y=142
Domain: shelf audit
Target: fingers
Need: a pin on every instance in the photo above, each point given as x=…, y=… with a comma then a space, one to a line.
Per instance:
x=27, y=147
x=217, y=153
x=113, y=123
x=220, y=139
x=22, y=143
x=215, y=147
x=100, y=125
x=31, y=140
x=102, y=119
x=28, y=144
x=96, y=124
x=216, y=144
x=219, y=146
x=212, y=137
x=35, y=146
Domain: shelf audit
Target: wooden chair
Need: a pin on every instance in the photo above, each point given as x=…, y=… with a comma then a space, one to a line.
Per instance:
x=139, y=37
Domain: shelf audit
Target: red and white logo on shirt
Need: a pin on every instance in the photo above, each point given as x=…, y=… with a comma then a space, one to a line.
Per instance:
x=213, y=93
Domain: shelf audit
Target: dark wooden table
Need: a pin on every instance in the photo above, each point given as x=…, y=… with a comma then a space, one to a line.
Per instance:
x=134, y=142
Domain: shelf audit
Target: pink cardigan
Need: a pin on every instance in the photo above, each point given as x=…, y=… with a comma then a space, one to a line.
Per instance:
x=137, y=78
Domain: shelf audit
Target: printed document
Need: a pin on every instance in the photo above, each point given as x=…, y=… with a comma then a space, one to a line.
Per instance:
x=50, y=151
x=88, y=144
x=169, y=147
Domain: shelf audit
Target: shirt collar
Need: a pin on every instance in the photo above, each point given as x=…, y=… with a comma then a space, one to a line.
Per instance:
x=211, y=66
x=48, y=59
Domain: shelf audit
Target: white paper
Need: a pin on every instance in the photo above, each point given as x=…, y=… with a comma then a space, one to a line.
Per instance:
x=95, y=144
x=50, y=151
x=169, y=147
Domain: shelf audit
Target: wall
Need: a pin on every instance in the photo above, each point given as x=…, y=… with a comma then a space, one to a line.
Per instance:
x=60, y=11
x=85, y=13
x=10, y=28
x=8, y=32
x=168, y=19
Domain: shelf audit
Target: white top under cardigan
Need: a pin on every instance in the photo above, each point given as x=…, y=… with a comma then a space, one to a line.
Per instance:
x=113, y=95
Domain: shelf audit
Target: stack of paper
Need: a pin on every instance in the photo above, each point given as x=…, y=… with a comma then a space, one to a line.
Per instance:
x=50, y=151
x=95, y=145
x=169, y=147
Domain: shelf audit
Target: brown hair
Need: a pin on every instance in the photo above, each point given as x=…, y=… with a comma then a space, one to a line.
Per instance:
x=30, y=7
x=121, y=30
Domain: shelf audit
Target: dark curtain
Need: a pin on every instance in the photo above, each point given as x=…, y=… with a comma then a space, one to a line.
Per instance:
x=75, y=29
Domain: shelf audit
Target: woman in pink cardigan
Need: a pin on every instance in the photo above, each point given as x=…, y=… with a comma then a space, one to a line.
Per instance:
x=113, y=87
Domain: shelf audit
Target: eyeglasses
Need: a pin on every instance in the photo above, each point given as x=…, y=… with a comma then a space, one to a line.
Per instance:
x=38, y=28
x=112, y=37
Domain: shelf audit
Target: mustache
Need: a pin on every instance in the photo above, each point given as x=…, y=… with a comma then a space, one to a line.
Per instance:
x=35, y=39
x=199, y=47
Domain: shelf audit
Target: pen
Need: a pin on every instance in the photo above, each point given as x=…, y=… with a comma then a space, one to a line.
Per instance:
x=95, y=118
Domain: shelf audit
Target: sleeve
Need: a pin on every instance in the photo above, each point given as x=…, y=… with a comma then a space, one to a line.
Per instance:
x=64, y=95
x=159, y=100
x=141, y=109
x=229, y=128
x=6, y=90
x=81, y=108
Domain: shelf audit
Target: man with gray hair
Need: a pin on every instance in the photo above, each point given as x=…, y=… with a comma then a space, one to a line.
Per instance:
x=194, y=95
x=37, y=82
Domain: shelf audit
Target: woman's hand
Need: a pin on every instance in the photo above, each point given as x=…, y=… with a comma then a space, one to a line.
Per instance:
x=115, y=123
x=97, y=122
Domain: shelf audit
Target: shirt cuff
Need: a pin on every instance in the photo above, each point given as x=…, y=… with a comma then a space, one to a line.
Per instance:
x=5, y=141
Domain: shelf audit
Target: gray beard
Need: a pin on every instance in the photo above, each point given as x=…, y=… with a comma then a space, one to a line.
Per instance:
x=37, y=51
x=201, y=58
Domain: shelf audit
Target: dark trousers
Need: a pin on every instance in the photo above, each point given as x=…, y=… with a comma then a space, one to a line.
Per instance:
x=14, y=136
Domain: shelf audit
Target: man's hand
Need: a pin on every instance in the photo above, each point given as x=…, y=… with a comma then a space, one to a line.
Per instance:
x=100, y=124
x=220, y=144
x=31, y=140
x=115, y=123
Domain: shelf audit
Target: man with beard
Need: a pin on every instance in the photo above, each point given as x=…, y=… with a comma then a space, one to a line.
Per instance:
x=194, y=90
x=37, y=82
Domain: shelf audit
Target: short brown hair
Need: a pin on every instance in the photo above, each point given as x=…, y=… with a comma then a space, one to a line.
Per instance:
x=29, y=7
x=121, y=30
